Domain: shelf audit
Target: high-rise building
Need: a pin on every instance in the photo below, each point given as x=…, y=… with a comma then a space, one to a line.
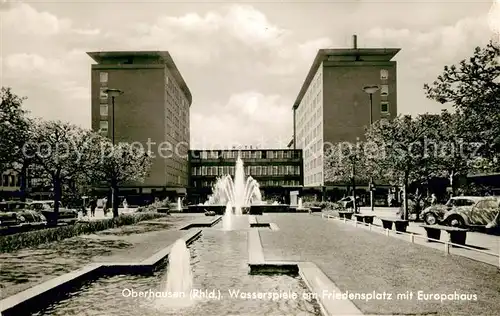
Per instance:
x=332, y=106
x=153, y=109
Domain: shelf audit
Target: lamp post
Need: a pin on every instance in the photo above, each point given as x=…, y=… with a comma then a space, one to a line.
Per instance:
x=371, y=90
x=113, y=93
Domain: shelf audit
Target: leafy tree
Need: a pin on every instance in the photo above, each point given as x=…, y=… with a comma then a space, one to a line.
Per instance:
x=453, y=155
x=399, y=149
x=60, y=150
x=16, y=130
x=341, y=159
x=12, y=126
x=117, y=165
x=472, y=89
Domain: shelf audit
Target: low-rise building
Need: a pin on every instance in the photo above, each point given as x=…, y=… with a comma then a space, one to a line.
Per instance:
x=278, y=171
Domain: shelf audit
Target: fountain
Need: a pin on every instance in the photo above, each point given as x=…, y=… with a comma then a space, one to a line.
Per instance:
x=179, y=277
x=240, y=192
x=228, y=217
x=179, y=204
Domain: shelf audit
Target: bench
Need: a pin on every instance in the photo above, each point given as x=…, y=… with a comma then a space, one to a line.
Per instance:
x=367, y=218
x=345, y=214
x=456, y=235
x=400, y=224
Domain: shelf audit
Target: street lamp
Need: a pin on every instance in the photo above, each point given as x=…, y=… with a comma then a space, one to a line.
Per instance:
x=113, y=93
x=371, y=90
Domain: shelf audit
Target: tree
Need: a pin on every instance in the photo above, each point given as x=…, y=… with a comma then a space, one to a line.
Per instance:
x=117, y=165
x=13, y=125
x=473, y=90
x=341, y=159
x=60, y=149
x=398, y=149
x=453, y=155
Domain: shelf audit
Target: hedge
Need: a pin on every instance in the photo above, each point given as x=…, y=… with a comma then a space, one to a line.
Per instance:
x=18, y=241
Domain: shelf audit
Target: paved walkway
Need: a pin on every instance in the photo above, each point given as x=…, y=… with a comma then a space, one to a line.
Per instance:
x=360, y=261
x=131, y=243
x=145, y=245
x=481, y=241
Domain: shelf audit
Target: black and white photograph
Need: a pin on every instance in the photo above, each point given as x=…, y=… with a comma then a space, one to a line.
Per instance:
x=239, y=158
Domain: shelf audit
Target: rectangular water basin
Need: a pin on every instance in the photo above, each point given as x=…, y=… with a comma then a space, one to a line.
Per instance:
x=219, y=261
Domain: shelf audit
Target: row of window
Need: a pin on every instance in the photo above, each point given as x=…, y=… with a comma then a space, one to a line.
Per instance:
x=312, y=95
x=316, y=178
x=175, y=92
x=176, y=179
x=177, y=164
x=264, y=183
x=313, y=163
x=249, y=170
x=256, y=154
x=10, y=181
x=104, y=103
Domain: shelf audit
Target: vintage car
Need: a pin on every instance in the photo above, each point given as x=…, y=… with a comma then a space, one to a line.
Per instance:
x=16, y=215
x=484, y=213
x=46, y=207
x=434, y=214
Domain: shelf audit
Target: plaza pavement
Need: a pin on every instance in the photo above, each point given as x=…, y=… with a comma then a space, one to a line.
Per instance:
x=481, y=241
x=360, y=261
x=36, y=265
x=146, y=244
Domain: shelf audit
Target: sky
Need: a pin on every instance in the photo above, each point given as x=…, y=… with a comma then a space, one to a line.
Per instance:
x=244, y=62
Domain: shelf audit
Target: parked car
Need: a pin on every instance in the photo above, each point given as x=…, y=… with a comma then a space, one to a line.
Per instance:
x=14, y=214
x=348, y=202
x=66, y=215
x=434, y=214
x=483, y=213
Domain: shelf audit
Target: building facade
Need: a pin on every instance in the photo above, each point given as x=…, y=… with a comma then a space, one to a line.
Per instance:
x=10, y=184
x=332, y=106
x=278, y=171
x=153, y=110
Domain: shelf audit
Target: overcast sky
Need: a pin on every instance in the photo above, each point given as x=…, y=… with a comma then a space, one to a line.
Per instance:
x=243, y=62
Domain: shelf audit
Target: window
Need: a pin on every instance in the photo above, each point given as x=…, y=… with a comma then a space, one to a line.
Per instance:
x=384, y=74
x=103, y=126
x=384, y=90
x=384, y=107
x=104, y=110
x=103, y=77
x=275, y=170
x=103, y=94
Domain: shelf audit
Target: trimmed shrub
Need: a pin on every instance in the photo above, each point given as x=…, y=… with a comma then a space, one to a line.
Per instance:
x=18, y=241
x=335, y=206
x=155, y=205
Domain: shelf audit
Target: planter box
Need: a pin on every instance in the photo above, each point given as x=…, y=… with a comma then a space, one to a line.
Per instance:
x=164, y=210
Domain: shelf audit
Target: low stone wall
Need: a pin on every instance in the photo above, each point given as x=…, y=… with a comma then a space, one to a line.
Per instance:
x=218, y=209
x=269, y=208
